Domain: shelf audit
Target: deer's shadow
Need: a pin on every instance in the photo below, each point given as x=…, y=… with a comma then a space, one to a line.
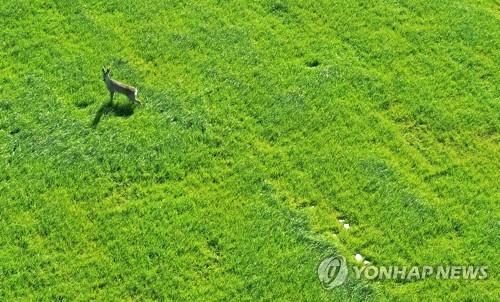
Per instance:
x=112, y=108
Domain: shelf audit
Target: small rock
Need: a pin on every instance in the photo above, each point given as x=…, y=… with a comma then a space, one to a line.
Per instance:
x=341, y=220
x=358, y=257
x=346, y=226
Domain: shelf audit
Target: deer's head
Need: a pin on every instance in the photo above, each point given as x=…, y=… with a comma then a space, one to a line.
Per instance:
x=105, y=73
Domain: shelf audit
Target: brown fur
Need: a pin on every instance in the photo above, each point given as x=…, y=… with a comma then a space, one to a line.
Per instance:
x=115, y=86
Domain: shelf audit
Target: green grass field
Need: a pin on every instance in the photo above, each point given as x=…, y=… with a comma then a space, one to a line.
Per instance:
x=264, y=123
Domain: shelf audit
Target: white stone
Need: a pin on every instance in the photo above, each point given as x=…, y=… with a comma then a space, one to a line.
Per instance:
x=341, y=220
x=346, y=226
x=358, y=257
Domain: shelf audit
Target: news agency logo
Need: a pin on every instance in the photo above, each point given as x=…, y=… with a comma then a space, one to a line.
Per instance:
x=333, y=272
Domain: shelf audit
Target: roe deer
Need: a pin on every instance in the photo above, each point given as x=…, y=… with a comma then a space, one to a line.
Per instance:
x=115, y=86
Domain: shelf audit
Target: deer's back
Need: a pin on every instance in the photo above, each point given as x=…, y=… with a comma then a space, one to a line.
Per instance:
x=122, y=88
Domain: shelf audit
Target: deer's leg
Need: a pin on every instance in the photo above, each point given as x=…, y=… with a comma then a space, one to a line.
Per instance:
x=131, y=98
x=134, y=98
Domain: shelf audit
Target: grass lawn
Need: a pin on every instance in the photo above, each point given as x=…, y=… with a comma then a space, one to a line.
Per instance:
x=264, y=123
